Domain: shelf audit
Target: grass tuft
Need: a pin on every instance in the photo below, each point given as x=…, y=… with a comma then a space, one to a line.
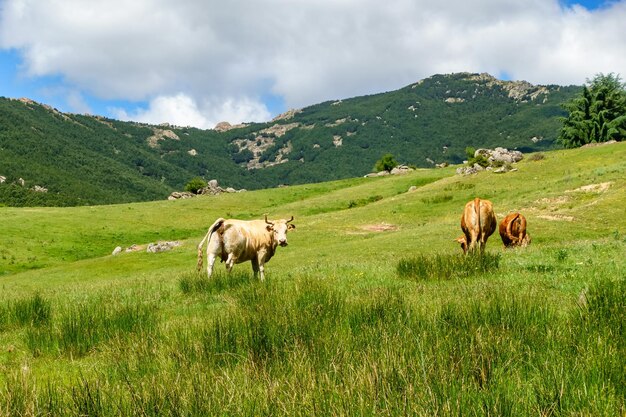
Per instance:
x=33, y=311
x=446, y=266
x=198, y=282
x=82, y=327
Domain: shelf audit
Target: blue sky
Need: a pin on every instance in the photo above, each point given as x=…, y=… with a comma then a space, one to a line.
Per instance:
x=199, y=62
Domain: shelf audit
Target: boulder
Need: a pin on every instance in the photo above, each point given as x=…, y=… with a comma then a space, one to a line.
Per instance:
x=162, y=246
x=400, y=170
x=501, y=155
x=499, y=161
x=178, y=195
x=212, y=188
x=117, y=251
x=39, y=189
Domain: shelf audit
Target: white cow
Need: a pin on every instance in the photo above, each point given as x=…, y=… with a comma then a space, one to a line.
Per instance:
x=235, y=241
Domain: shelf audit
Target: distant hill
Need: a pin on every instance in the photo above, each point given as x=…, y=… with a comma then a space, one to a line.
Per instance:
x=81, y=159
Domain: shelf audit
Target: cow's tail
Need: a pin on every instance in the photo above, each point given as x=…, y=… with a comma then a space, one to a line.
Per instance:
x=480, y=226
x=509, y=229
x=207, y=239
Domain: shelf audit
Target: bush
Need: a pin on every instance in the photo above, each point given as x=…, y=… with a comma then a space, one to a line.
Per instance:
x=386, y=163
x=195, y=185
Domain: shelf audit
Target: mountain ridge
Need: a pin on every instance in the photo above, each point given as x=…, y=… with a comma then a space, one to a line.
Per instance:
x=84, y=159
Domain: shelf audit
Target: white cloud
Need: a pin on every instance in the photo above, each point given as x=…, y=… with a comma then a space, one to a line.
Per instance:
x=182, y=110
x=304, y=51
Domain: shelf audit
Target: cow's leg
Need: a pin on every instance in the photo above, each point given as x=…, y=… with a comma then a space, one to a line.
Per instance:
x=473, y=241
x=230, y=262
x=262, y=271
x=213, y=250
x=482, y=243
x=255, y=266
x=210, y=261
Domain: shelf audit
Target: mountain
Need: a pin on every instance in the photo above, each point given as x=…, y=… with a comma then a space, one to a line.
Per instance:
x=82, y=159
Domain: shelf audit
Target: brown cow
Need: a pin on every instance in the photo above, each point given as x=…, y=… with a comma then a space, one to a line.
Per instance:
x=236, y=241
x=478, y=222
x=513, y=231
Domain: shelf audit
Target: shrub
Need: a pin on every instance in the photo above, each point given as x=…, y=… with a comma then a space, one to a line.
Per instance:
x=195, y=185
x=386, y=163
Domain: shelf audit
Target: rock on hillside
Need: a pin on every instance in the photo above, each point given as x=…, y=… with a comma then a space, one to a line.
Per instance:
x=212, y=188
x=225, y=126
x=498, y=160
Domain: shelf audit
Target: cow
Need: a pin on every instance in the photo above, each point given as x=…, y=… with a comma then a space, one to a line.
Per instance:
x=478, y=222
x=235, y=241
x=513, y=231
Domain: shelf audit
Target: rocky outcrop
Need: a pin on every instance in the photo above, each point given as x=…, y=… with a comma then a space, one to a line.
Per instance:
x=279, y=129
x=159, y=135
x=262, y=141
x=399, y=170
x=522, y=91
x=162, y=246
x=289, y=114
x=225, y=126
x=212, y=188
x=498, y=160
x=180, y=195
x=499, y=155
x=39, y=189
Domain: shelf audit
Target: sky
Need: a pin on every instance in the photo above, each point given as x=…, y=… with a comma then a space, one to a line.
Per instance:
x=200, y=62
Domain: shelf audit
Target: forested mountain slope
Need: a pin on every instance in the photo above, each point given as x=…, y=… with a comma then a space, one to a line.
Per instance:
x=81, y=159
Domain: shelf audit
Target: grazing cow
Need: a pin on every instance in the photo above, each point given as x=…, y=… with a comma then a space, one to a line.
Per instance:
x=513, y=231
x=478, y=222
x=236, y=241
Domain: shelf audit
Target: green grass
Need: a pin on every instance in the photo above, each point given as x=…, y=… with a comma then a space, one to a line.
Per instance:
x=370, y=310
x=445, y=266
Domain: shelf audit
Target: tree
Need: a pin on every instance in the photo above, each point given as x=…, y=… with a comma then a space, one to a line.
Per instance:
x=386, y=163
x=195, y=184
x=597, y=115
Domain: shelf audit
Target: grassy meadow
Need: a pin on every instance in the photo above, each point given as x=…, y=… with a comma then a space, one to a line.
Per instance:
x=370, y=310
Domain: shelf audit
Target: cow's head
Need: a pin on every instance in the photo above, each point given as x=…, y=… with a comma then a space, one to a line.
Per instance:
x=463, y=241
x=280, y=228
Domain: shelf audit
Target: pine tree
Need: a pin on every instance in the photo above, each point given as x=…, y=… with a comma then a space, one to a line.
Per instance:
x=597, y=115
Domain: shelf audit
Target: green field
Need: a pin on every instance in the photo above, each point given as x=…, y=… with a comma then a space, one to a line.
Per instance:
x=339, y=327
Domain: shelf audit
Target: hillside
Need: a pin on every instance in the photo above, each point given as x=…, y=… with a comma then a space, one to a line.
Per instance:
x=335, y=329
x=84, y=160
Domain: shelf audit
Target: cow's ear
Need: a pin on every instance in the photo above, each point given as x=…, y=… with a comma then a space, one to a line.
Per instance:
x=269, y=227
x=291, y=226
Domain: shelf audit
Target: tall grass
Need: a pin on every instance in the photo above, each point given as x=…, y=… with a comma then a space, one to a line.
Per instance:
x=35, y=311
x=81, y=327
x=198, y=282
x=309, y=348
x=447, y=266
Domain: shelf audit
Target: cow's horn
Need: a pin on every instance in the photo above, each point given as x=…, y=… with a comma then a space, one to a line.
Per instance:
x=290, y=220
x=268, y=222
